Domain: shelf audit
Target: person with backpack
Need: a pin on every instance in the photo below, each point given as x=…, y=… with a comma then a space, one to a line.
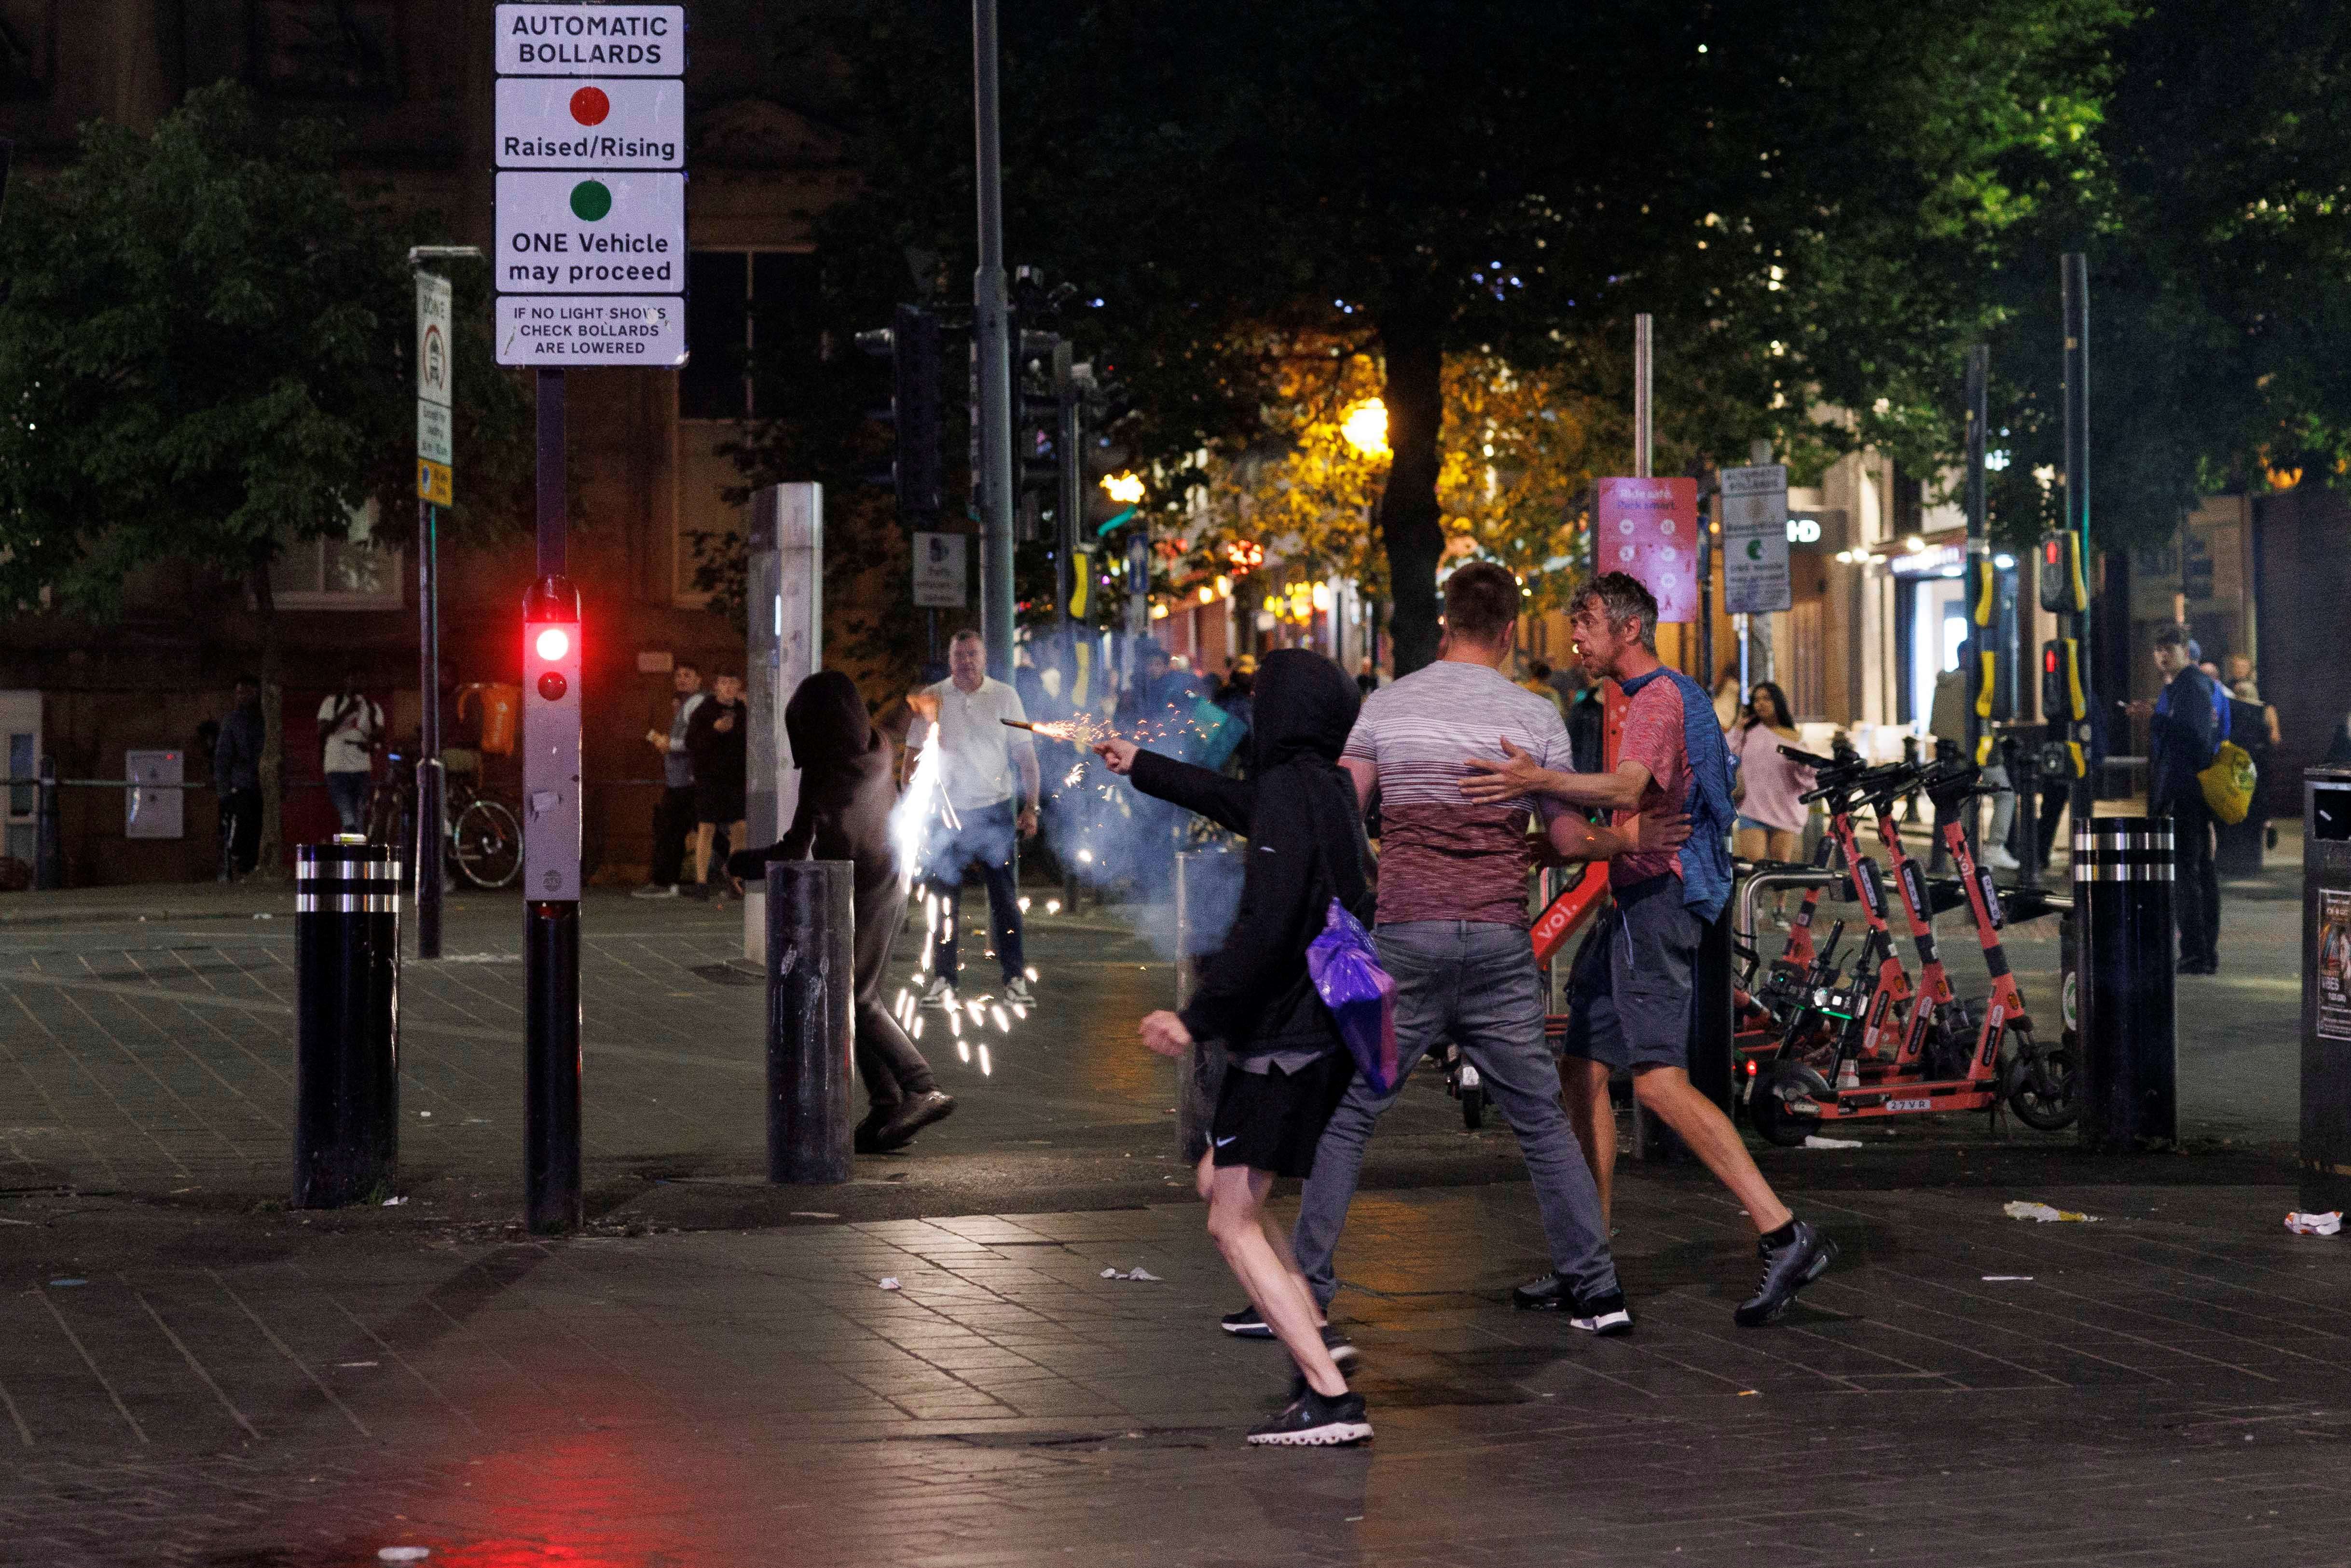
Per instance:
x=2186, y=725
x=1290, y=1066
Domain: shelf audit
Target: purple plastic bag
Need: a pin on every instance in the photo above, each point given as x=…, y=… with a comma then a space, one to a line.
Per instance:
x=1359, y=994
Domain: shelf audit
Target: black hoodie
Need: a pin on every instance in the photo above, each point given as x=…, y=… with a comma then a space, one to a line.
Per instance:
x=1306, y=846
x=845, y=795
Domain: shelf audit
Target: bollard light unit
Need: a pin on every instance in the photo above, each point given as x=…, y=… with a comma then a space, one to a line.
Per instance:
x=551, y=888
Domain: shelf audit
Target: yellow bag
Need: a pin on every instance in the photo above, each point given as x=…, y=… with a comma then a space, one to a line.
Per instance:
x=2229, y=783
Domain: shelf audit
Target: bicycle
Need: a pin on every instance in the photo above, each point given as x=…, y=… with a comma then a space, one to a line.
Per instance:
x=483, y=839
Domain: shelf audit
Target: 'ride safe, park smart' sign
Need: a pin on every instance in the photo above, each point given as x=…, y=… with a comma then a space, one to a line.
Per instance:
x=590, y=152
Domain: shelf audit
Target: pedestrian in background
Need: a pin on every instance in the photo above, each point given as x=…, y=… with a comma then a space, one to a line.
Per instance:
x=1538, y=681
x=237, y=776
x=350, y=726
x=2186, y=724
x=846, y=792
x=715, y=741
x=674, y=812
x=982, y=758
x=1771, y=812
x=1290, y=1066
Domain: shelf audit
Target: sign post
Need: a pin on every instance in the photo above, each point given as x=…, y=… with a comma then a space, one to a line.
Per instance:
x=436, y=381
x=590, y=270
x=1755, y=551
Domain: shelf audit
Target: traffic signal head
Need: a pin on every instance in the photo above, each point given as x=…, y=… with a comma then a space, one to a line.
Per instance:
x=2064, y=588
x=917, y=469
x=551, y=740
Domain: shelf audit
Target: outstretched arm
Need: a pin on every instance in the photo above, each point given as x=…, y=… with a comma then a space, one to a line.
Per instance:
x=1490, y=782
x=1577, y=840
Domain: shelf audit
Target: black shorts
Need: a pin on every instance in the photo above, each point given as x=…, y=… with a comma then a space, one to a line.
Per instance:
x=1271, y=1121
x=718, y=803
x=1629, y=994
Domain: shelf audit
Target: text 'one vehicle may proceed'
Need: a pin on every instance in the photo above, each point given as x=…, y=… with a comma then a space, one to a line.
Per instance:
x=591, y=186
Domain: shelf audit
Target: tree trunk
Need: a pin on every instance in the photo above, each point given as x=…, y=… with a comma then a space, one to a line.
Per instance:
x=1409, y=524
x=270, y=865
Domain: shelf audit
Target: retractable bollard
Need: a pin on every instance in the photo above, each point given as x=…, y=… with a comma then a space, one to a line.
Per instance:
x=347, y=1022
x=2326, y=989
x=2122, y=898
x=812, y=1032
x=1208, y=889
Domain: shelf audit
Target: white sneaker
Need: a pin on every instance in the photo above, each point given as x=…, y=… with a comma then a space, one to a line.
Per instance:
x=1016, y=989
x=940, y=995
x=655, y=890
x=1998, y=858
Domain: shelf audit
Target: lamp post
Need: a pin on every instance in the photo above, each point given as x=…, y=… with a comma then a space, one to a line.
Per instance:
x=431, y=791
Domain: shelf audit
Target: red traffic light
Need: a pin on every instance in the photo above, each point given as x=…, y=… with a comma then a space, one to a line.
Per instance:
x=553, y=642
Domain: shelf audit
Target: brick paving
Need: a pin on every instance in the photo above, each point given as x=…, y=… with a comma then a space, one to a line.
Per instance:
x=2166, y=1386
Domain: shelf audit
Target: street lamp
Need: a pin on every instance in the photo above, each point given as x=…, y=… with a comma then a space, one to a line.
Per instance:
x=1365, y=427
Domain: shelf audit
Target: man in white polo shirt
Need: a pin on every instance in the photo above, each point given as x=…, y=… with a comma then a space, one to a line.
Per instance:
x=978, y=755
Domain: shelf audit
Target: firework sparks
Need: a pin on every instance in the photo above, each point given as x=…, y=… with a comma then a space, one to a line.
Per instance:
x=910, y=818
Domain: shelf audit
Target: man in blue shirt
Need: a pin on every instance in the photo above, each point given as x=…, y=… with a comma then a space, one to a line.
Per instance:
x=2185, y=729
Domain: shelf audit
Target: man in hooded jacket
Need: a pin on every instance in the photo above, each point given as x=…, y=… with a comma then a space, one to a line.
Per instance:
x=845, y=797
x=1289, y=1066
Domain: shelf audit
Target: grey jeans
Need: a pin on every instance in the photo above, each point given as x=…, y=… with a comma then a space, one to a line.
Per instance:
x=1474, y=983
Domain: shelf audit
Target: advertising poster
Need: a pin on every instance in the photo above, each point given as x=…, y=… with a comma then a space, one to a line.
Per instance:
x=1648, y=527
x=2333, y=964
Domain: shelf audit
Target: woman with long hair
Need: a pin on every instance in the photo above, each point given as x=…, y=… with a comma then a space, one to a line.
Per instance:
x=1770, y=823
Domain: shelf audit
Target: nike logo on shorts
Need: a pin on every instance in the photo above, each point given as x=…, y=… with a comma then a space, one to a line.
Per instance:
x=1222, y=1141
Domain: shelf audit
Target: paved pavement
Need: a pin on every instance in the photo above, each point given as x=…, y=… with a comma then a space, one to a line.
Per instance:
x=2161, y=1387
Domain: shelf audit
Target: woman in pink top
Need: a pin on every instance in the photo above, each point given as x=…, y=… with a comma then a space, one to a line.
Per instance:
x=1770, y=824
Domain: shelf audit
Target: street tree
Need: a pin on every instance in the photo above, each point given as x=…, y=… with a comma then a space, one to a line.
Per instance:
x=204, y=356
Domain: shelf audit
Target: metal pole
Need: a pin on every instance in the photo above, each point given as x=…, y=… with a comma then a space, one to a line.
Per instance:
x=431, y=789
x=1070, y=502
x=551, y=925
x=1981, y=588
x=48, y=833
x=1644, y=431
x=1706, y=672
x=992, y=345
x=811, y=1035
x=2075, y=271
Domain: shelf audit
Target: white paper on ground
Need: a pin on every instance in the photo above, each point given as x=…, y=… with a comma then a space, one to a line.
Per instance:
x=2326, y=1223
x=1814, y=1141
x=2043, y=1213
x=889, y=1281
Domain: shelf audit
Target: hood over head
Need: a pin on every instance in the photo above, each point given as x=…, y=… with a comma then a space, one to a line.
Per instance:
x=827, y=725
x=1303, y=704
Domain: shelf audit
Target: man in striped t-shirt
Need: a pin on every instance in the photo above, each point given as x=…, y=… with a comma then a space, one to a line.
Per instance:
x=1452, y=930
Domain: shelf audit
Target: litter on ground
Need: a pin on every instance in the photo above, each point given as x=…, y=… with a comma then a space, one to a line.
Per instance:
x=2325, y=1224
x=1140, y=1273
x=889, y=1281
x=1814, y=1141
x=2043, y=1213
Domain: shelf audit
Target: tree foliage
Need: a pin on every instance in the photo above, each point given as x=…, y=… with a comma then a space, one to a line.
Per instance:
x=205, y=355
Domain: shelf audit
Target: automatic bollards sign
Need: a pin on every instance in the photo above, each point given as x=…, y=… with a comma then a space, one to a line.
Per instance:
x=590, y=147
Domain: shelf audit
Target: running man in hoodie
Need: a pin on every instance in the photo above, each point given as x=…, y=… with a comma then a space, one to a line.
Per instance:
x=846, y=793
x=1290, y=1067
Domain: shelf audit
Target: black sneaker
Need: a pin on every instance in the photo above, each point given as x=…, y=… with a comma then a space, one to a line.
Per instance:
x=1316, y=1421
x=1606, y=1316
x=1786, y=1270
x=1245, y=1323
x=1547, y=1294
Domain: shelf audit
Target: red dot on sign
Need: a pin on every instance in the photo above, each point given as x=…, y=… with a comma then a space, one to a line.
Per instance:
x=590, y=106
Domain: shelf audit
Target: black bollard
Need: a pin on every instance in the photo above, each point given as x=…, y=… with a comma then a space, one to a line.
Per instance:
x=551, y=1135
x=811, y=1034
x=2122, y=896
x=347, y=1023
x=2325, y=989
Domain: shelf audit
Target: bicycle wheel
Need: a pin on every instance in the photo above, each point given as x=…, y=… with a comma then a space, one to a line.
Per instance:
x=487, y=844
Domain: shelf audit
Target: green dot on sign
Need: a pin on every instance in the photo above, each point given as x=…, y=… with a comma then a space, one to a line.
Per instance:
x=590, y=200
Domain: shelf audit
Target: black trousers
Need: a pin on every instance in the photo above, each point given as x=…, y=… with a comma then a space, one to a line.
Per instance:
x=2195, y=882
x=240, y=830
x=673, y=825
x=892, y=1066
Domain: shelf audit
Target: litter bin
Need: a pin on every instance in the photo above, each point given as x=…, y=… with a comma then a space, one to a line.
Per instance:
x=347, y=1022
x=2327, y=989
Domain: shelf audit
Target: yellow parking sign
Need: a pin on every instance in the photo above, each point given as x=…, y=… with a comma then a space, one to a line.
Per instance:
x=432, y=482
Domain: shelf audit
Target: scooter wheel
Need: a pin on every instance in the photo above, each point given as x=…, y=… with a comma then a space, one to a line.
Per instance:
x=1771, y=1117
x=2044, y=1086
x=1473, y=1108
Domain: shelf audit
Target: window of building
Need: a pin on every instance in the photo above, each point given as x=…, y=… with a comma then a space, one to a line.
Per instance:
x=751, y=318
x=350, y=573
